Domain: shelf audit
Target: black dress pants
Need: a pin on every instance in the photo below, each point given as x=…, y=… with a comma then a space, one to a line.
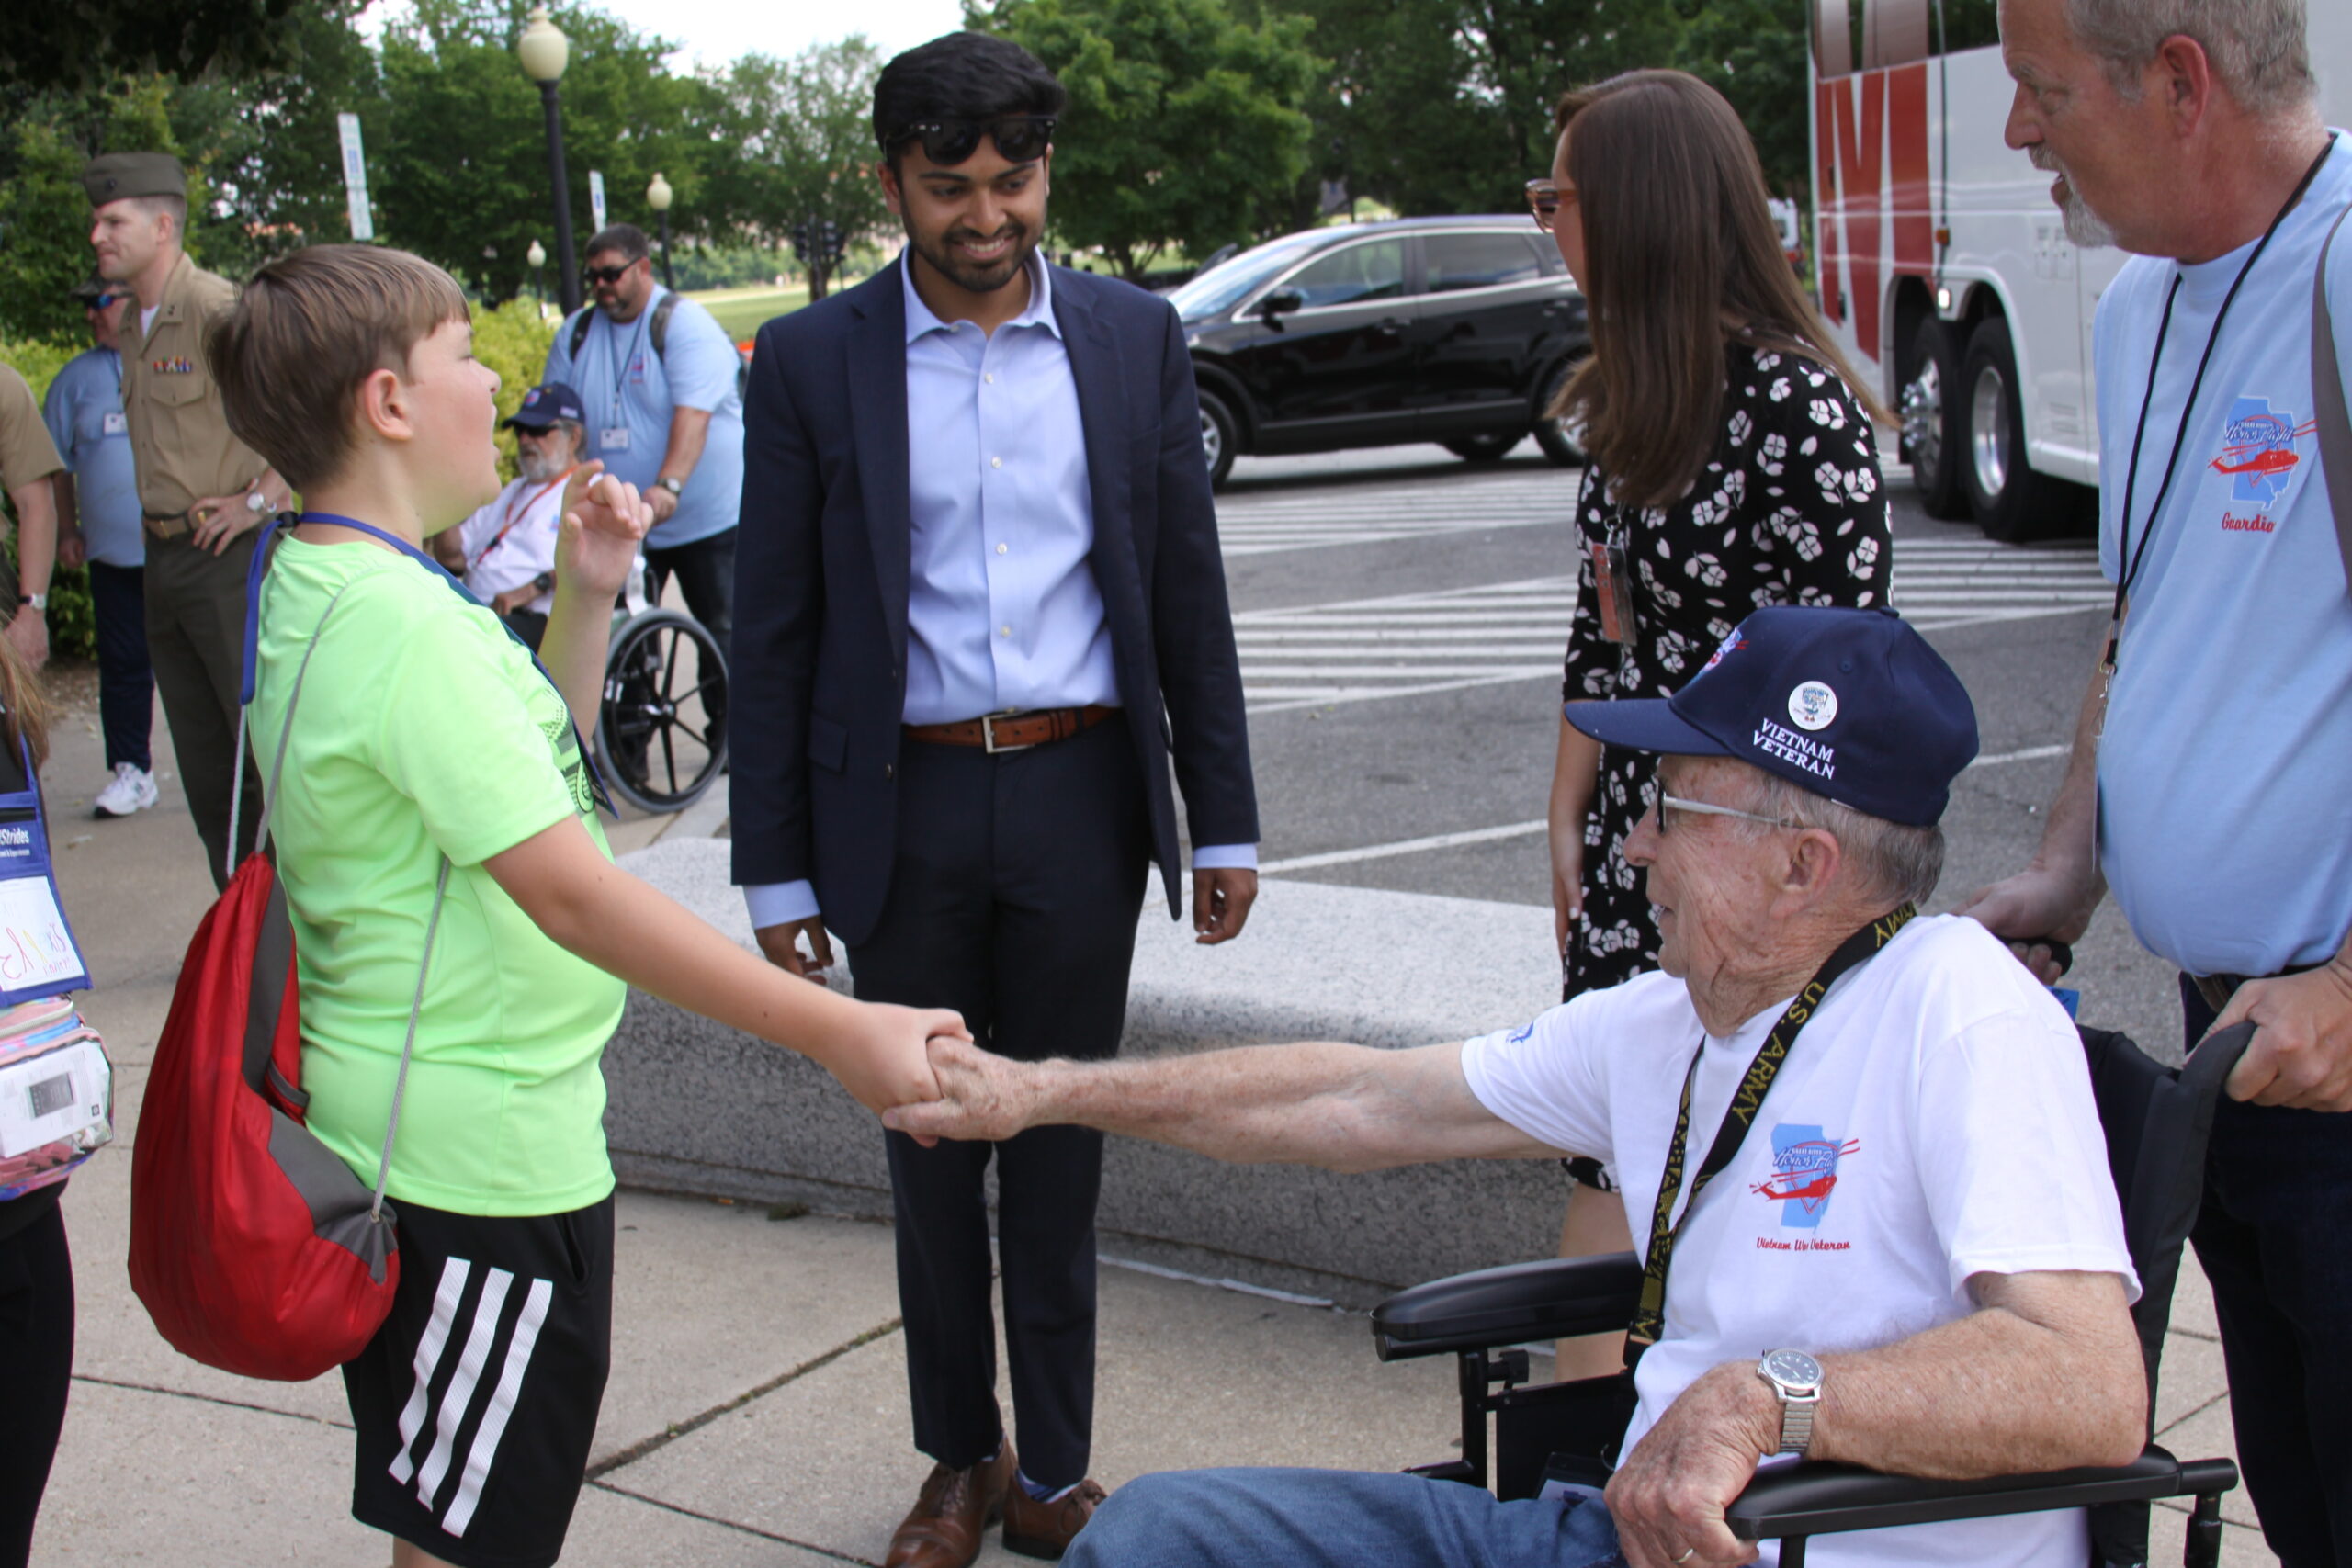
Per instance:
x=1019, y=881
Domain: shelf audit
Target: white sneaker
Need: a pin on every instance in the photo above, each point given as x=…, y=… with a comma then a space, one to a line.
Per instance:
x=132, y=789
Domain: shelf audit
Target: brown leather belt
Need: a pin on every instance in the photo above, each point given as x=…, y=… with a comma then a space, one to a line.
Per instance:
x=1011, y=731
x=2218, y=989
x=166, y=524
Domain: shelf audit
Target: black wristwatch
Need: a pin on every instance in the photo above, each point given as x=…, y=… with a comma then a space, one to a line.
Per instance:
x=544, y=583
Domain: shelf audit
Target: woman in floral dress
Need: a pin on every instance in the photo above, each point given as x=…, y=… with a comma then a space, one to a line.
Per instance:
x=1732, y=467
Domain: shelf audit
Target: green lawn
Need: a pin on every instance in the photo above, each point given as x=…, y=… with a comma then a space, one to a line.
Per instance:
x=742, y=310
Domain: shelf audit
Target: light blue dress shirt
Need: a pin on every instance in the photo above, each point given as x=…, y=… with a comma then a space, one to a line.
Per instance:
x=623, y=385
x=84, y=412
x=1003, y=609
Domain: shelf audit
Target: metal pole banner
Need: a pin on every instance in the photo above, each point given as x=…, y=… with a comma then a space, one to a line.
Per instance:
x=596, y=198
x=354, y=178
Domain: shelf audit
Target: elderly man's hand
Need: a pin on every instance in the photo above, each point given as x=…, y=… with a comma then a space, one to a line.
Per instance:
x=1668, y=1497
x=982, y=1098
x=2302, y=1051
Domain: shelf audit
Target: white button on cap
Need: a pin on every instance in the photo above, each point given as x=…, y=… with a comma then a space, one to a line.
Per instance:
x=996, y=462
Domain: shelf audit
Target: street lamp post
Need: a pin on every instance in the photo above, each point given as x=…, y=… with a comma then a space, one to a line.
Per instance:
x=545, y=51
x=658, y=195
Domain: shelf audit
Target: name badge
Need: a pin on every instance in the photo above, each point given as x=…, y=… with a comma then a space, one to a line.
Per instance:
x=116, y=424
x=612, y=438
x=1613, y=589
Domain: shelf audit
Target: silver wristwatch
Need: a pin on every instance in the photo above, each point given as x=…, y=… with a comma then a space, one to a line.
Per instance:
x=255, y=500
x=1795, y=1379
x=675, y=487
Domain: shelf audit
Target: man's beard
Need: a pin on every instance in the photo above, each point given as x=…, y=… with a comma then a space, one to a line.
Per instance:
x=542, y=466
x=974, y=280
x=2087, y=228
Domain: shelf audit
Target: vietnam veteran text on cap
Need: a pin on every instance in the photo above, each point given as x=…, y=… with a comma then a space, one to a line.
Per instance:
x=1852, y=704
x=118, y=175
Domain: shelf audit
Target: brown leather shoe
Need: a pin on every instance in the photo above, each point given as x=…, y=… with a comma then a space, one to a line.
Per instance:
x=1043, y=1530
x=951, y=1512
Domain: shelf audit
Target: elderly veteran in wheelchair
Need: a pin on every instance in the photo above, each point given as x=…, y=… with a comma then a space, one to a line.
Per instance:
x=1884, y=1226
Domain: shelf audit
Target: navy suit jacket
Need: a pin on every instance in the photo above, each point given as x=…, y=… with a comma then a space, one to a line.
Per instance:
x=818, y=669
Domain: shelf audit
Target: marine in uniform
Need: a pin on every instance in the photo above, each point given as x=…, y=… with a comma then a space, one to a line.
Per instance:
x=27, y=460
x=202, y=492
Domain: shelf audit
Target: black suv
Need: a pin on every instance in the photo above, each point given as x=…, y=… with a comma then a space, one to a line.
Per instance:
x=1453, y=330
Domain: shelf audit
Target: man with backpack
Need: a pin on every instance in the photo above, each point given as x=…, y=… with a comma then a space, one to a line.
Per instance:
x=659, y=381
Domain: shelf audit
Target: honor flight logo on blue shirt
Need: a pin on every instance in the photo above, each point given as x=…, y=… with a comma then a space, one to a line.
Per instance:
x=2259, y=451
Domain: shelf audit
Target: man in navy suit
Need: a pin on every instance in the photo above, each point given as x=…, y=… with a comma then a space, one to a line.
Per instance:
x=980, y=607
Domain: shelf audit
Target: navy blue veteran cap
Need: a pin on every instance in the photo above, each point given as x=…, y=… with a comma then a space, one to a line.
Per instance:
x=546, y=403
x=1852, y=704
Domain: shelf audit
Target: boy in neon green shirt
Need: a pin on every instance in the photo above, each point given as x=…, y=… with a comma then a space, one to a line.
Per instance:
x=425, y=733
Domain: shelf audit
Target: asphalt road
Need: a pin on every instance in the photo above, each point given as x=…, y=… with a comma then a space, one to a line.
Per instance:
x=1401, y=615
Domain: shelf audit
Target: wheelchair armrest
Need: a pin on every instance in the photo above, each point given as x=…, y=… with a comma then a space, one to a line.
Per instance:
x=1807, y=1499
x=1518, y=1301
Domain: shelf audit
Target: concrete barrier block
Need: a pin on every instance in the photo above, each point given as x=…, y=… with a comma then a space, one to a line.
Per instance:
x=697, y=1107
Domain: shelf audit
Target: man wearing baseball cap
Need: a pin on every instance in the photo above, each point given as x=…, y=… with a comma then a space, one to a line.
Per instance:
x=505, y=552
x=1914, y=1234
x=201, y=490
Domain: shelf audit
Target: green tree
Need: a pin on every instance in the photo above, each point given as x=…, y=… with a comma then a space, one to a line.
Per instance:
x=800, y=141
x=460, y=170
x=1186, y=123
x=1446, y=106
x=1755, y=53
x=46, y=45
x=44, y=214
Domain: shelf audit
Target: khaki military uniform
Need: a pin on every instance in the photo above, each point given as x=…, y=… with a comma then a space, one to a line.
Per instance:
x=26, y=456
x=195, y=600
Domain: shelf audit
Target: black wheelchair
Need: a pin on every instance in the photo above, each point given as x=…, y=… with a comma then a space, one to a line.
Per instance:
x=2156, y=1120
x=661, y=733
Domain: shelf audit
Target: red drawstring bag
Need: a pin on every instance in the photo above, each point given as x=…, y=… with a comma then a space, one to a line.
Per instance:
x=253, y=1245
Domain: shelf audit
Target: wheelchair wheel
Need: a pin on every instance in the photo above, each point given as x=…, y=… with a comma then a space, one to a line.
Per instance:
x=661, y=735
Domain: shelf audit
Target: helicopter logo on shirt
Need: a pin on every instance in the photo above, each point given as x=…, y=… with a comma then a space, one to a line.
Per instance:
x=1805, y=1173
x=2258, y=450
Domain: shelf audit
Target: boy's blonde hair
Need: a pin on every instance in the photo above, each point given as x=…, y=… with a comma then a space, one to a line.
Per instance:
x=307, y=330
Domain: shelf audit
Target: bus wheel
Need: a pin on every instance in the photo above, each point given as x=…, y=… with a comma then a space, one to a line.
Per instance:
x=1933, y=435
x=2012, y=502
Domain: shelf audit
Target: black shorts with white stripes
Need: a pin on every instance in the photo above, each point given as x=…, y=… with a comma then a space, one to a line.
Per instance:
x=477, y=1401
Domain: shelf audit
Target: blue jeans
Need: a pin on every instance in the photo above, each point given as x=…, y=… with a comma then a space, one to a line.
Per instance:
x=1335, y=1518
x=2272, y=1237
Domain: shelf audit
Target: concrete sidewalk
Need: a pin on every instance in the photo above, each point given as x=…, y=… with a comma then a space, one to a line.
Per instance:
x=757, y=1411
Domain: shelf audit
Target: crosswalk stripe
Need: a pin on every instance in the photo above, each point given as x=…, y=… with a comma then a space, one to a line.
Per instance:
x=1416, y=644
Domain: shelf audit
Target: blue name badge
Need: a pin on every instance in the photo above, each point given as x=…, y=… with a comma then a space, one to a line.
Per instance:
x=2069, y=998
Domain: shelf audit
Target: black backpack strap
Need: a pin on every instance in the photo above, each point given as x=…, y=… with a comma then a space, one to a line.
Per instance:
x=659, y=328
x=580, y=332
x=2328, y=408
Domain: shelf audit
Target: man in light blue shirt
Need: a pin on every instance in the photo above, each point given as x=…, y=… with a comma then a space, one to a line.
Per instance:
x=97, y=519
x=2207, y=785
x=659, y=379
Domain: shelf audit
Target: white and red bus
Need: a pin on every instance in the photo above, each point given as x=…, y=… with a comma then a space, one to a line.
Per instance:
x=1946, y=271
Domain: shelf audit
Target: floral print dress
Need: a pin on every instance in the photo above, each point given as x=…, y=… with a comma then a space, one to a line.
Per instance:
x=1790, y=510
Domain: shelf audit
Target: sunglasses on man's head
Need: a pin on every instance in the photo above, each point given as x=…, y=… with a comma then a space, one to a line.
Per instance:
x=609, y=274
x=1018, y=137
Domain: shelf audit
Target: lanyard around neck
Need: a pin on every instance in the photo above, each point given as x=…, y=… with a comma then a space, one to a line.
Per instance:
x=2128, y=559
x=1649, y=1318
x=516, y=510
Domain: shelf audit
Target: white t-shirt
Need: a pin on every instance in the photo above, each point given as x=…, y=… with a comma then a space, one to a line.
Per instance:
x=513, y=540
x=1933, y=1120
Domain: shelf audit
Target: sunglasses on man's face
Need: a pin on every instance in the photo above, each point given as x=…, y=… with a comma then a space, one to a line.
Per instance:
x=609, y=274
x=947, y=142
